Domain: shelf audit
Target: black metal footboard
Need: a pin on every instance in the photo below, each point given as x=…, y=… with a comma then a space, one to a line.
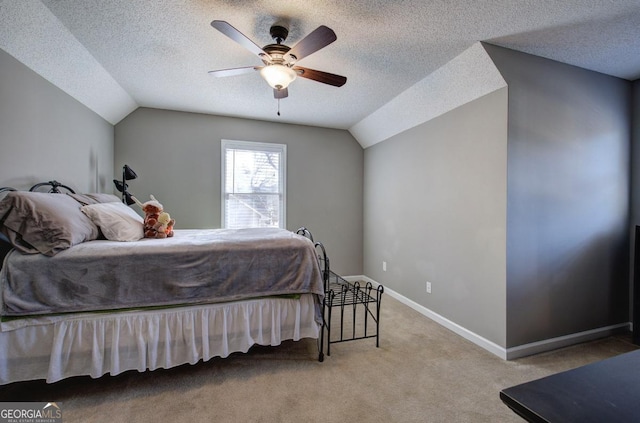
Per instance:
x=358, y=311
x=350, y=308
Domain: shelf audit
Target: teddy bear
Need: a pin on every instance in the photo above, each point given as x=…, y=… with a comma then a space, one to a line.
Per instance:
x=164, y=227
x=157, y=222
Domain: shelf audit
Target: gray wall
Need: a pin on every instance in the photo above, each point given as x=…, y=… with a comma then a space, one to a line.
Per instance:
x=177, y=158
x=435, y=210
x=568, y=198
x=635, y=181
x=635, y=157
x=46, y=134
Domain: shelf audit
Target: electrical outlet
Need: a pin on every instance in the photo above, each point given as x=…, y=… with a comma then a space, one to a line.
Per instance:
x=428, y=287
x=384, y=266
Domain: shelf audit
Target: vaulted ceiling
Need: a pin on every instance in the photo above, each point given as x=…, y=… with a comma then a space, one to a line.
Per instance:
x=117, y=55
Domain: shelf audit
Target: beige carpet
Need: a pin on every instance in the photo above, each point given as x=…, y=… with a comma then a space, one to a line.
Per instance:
x=421, y=373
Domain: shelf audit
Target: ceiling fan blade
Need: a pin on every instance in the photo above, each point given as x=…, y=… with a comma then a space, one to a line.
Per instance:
x=319, y=38
x=238, y=37
x=324, y=77
x=283, y=93
x=234, y=71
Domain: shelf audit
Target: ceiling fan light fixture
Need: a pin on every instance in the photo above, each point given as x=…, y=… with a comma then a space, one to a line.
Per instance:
x=278, y=76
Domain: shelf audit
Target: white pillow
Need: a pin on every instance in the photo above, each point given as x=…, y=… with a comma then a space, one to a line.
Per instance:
x=117, y=221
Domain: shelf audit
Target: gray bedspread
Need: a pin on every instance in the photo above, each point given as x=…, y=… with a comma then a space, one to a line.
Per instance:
x=193, y=267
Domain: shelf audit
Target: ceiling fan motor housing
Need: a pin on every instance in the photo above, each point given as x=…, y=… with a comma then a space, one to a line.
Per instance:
x=276, y=52
x=278, y=33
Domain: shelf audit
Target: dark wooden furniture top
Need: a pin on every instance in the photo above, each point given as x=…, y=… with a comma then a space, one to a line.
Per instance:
x=605, y=391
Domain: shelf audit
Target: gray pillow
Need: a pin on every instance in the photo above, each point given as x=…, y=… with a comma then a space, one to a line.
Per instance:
x=94, y=198
x=38, y=222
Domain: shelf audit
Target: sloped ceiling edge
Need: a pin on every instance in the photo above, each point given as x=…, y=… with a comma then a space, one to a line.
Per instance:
x=467, y=77
x=35, y=37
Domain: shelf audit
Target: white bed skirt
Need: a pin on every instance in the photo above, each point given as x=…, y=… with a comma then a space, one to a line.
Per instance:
x=54, y=348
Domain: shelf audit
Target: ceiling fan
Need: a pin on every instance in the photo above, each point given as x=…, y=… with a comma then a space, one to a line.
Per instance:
x=280, y=61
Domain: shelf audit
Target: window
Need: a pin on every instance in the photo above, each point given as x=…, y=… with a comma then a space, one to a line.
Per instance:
x=253, y=184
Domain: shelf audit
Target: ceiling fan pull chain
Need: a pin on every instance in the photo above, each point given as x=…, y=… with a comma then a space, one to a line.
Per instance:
x=278, y=107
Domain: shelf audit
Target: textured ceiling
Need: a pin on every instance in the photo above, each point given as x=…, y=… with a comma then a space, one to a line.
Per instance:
x=116, y=55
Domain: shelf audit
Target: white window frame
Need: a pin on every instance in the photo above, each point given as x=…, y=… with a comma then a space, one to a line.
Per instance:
x=257, y=146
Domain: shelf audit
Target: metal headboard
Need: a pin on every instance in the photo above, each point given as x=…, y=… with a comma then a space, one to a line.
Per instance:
x=55, y=185
x=305, y=232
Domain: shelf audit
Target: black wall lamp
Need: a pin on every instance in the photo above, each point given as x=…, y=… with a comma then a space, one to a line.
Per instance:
x=127, y=175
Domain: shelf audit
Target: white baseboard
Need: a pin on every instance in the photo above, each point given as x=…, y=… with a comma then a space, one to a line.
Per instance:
x=504, y=353
x=564, y=341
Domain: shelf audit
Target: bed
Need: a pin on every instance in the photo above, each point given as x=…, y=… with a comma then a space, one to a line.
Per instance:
x=81, y=295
